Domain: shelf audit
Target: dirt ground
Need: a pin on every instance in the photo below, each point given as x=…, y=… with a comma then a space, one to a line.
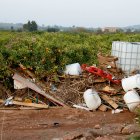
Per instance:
x=66, y=123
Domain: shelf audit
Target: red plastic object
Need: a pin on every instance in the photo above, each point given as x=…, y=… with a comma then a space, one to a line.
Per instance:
x=101, y=73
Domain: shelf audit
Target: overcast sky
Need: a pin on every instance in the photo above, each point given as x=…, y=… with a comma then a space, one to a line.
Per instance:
x=89, y=13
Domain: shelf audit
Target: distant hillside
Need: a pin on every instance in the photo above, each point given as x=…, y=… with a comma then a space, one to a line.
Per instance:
x=133, y=27
x=7, y=26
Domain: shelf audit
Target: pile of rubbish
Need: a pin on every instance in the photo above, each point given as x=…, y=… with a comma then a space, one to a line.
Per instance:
x=85, y=87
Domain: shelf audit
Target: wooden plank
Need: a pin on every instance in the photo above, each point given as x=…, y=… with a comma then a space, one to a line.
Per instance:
x=34, y=87
x=103, y=108
x=105, y=64
x=28, y=108
x=9, y=108
x=109, y=100
x=18, y=99
x=19, y=108
x=107, y=58
x=27, y=104
x=27, y=71
x=105, y=61
x=108, y=89
x=30, y=104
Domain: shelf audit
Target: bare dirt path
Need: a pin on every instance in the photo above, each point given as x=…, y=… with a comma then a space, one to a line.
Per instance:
x=65, y=123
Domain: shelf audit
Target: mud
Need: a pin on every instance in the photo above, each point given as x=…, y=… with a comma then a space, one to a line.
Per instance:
x=65, y=123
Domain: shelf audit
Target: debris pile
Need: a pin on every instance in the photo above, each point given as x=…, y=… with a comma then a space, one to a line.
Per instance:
x=84, y=87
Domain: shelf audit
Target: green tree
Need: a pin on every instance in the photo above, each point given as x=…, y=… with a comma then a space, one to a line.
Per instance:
x=30, y=26
x=33, y=26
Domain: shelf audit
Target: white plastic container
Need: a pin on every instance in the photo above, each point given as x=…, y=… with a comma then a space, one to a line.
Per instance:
x=131, y=82
x=128, y=54
x=92, y=99
x=132, y=99
x=73, y=69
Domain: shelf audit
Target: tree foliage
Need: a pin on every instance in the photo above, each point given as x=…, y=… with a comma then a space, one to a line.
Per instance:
x=30, y=26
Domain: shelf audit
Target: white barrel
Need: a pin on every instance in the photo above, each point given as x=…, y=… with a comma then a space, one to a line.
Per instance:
x=92, y=99
x=73, y=69
x=132, y=99
x=131, y=82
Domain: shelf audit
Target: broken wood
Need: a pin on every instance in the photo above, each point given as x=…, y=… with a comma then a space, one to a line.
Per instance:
x=81, y=107
x=32, y=75
x=19, y=85
x=34, y=87
x=9, y=108
x=92, y=80
x=109, y=100
x=103, y=108
x=18, y=99
x=108, y=88
x=105, y=61
x=107, y=58
x=27, y=104
x=29, y=108
x=19, y=108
